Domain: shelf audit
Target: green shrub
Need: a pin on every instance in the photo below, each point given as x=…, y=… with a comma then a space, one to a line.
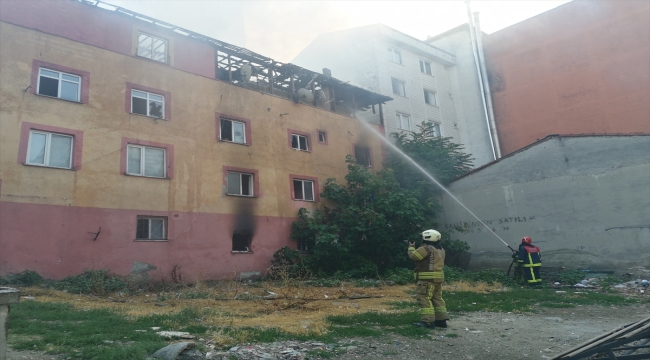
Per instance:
x=571, y=277
x=400, y=276
x=489, y=276
x=96, y=282
x=25, y=278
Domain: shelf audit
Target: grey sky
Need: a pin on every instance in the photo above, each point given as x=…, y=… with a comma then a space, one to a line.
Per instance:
x=281, y=29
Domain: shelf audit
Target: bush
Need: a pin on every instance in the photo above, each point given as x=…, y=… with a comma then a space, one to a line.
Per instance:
x=489, y=276
x=25, y=278
x=400, y=276
x=571, y=277
x=96, y=282
x=287, y=263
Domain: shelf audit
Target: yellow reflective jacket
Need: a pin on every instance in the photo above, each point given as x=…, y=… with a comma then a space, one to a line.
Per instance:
x=429, y=262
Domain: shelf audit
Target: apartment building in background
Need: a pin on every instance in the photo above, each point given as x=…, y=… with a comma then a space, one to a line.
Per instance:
x=422, y=79
x=132, y=145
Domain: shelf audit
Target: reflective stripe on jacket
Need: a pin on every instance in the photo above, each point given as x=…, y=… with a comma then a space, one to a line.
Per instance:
x=429, y=262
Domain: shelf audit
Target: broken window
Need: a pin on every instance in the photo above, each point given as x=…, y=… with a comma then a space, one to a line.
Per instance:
x=399, y=87
x=145, y=161
x=425, y=67
x=435, y=129
x=430, y=98
x=152, y=47
x=299, y=142
x=322, y=137
x=151, y=228
x=403, y=121
x=148, y=104
x=362, y=154
x=49, y=149
x=233, y=131
x=240, y=184
x=58, y=84
x=303, y=190
x=241, y=241
x=395, y=55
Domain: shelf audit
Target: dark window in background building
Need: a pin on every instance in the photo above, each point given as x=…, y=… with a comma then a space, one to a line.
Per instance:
x=362, y=154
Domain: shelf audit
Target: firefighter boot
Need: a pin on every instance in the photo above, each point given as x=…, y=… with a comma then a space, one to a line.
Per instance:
x=440, y=323
x=427, y=325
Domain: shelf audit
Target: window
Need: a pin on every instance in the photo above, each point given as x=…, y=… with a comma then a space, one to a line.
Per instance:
x=322, y=137
x=151, y=228
x=403, y=122
x=146, y=161
x=233, y=131
x=425, y=67
x=59, y=84
x=49, y=149
x=435, y=129
x=394, y=56
x=152, y=47
x=241, y=241
x=240, y=184
x=363, y=155
x=148, y=104
x=299, y=142
x=399, y=87
x=303, y=190
x=430, y=98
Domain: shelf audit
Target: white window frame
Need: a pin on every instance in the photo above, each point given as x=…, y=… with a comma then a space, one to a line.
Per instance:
x=400, y=118
x=232, y=131
x=298, y=136
x=151, y=51
x=433, y=125
x=401, y=86
x=324, y=137
x=142, y=150
x=147, y=99
x=303, y=183
x=251, y=184
x=164, y=228
x=60, y=80
x=428, y=94
x=395, y=55
x=424, y=68
x=48, y=143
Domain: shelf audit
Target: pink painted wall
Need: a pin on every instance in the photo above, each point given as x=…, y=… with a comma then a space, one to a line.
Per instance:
x=53, y=240
x=104, y=29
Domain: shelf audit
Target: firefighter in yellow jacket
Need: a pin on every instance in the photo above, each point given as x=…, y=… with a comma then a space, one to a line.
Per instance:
x=429, y=262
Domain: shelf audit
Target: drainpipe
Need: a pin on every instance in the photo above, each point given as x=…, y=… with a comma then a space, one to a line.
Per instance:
x=480, y=77
x=486, y=84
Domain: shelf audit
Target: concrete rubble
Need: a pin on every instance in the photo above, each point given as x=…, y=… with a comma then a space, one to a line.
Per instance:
x=285, y=350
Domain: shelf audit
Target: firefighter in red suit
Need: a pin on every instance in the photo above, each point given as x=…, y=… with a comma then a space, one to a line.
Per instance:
x=529, y=260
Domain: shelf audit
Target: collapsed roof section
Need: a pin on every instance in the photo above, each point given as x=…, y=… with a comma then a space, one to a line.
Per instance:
x=248, y=69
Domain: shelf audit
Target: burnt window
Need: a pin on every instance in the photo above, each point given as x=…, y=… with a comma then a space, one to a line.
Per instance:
x=151, y=228
x=148, y=104
x=233, y=131
x=363, y=155
x=299, y=142
x=241, y=241
x=303, y=190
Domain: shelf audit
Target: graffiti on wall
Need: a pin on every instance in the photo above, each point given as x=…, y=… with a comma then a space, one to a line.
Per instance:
x=500, y=224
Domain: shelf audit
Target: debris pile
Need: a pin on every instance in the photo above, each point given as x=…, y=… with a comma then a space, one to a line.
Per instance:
x=286, y=350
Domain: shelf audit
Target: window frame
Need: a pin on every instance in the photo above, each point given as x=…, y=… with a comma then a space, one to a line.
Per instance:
x=399, y=117
x=354, y=152
x=423, y=67
x=137, y=47
x=232, y=130
x=312, y=179
x=48, y=144
x=401, y=86
x=84, y=83
x=427, y=96
x=143, y=166
x=251, y=187
x=148, y=99
x=165, y=229
x=255, y=183
x=292, y=132
x=167, y=100
x=25, y=142
x=393, y=52
x=169, y=157
x=60, y=81
x=298, y=137
x=324, y=133
x=433, y=126
x=247, y=128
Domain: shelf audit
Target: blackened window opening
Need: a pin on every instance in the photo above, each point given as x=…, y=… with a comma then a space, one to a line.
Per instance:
x=241, y=241
x=363, y=155
x=226, y=130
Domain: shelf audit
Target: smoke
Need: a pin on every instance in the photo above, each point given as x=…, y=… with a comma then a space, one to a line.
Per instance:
x=244, y=225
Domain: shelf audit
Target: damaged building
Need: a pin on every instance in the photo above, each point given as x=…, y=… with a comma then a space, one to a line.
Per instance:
x=133, y=145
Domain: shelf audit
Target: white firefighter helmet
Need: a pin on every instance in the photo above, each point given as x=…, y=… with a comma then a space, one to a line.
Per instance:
x=431, y=235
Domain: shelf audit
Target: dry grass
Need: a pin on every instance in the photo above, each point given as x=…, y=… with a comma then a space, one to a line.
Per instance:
x=296, y=308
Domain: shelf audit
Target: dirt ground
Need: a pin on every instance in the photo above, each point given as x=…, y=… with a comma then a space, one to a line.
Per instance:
x=476, y=335
x=505, y=336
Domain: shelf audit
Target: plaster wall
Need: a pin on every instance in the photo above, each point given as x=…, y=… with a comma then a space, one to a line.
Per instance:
x=585, y=201
x=46, y=213
x=579, y=68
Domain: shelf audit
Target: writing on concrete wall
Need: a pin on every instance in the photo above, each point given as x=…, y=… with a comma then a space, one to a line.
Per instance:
x=500, y=224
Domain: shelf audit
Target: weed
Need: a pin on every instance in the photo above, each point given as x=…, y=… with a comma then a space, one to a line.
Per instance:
x=319, y=354
x=452, y=335
x=571, y=277
x=25, y=278
x=96, y=282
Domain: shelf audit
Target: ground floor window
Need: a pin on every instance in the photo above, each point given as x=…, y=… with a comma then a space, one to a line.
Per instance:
x=151, y=228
